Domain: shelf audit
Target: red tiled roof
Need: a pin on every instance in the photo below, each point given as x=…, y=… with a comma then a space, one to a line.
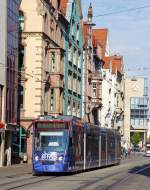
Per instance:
x=116, y=61
x=100, y=36
x=85, y=32
x=63, y=6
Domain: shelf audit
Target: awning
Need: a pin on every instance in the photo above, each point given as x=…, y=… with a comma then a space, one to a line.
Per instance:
x=2, y=125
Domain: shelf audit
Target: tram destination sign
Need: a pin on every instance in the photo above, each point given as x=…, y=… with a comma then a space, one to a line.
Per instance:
x=51, y=125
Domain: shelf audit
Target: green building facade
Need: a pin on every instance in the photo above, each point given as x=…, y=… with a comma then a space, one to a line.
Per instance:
x=73, y=61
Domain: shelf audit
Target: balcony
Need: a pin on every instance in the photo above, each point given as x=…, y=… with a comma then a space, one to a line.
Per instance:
x=59, y=70
x=57, y=84
x=96, y=76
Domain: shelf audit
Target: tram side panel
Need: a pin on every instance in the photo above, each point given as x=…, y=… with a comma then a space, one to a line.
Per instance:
x=92, y=148
x=110, y=147
x=118, y=148
x=78, y=136
x=95, y=147
x=103, y=149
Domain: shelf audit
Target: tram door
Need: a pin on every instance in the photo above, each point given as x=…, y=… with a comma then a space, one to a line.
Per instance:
x=103, y=149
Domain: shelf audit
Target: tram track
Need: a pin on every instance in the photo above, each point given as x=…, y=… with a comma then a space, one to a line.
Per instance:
x=108, y=179
x=31, y=180
x=114, y=179
x=123, y=180
x=15, y=184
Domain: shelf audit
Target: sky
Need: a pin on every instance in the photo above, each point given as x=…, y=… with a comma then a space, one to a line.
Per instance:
x=129, y=32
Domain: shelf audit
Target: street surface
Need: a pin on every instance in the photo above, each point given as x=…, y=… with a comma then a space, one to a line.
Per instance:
x=132, y=174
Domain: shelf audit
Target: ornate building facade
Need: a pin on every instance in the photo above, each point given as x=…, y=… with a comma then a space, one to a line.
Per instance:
x=73, y=60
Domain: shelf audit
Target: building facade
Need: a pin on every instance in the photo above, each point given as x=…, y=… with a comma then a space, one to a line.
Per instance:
x=3, y=58
x=136, y=109
x=73, y=60
x=41, y=89
x=9, y=76
x=51, y=74
x=92, y=77
x=112, y=114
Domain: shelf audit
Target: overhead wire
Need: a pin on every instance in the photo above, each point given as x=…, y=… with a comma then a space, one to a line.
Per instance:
x=122, y=11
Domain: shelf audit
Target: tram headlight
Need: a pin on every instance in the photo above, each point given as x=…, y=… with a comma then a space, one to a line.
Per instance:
x=60, y=158
x=36, y=158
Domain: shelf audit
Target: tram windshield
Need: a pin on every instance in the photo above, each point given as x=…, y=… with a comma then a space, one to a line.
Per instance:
x=53, y=141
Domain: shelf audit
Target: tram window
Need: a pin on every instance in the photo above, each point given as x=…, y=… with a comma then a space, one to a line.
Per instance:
x=70, y=142
x=52, y=141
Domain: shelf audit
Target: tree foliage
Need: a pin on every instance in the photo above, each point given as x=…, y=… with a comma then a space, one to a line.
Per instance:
x=135, y=138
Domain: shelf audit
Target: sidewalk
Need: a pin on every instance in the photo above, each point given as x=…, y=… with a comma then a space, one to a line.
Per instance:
x=15, y=170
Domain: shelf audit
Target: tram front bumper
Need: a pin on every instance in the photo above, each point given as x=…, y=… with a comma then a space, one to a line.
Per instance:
x=45, y=167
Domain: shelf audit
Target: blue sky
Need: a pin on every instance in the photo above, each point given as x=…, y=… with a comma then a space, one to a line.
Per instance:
x=129, y=32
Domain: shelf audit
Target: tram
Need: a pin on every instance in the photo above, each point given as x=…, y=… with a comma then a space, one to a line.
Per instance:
x=66, y=144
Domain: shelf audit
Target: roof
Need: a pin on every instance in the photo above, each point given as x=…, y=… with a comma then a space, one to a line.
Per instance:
x=85, y=32
x=63, y=6
x=66, y=7
x=100, y=36
x=116, y=61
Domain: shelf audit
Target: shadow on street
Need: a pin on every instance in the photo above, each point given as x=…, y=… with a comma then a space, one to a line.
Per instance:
x=141, y=171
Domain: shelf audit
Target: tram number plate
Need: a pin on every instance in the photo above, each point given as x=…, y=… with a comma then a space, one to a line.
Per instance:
x=48, y=162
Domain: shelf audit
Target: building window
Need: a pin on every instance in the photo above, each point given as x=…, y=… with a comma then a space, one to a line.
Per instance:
x=146, y=89
x=73, y=27
x=70, y=52
x=52, y=65
x=78, y=110
x=79, y=60
x=21, y=57
x=46, y=23
x=21, y=21
x=94, y=89
x=74, y=57
x=74, y=109
x=139, y=110
x=77, y=32
x=69, y=108
x=52, y=100
x=20, y=94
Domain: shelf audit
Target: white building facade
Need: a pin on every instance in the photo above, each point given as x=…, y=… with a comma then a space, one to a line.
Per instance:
x=136, y=110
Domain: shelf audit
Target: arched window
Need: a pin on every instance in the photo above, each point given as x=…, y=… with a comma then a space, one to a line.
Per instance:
x=21, y=21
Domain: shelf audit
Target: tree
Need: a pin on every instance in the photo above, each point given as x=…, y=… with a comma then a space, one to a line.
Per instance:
x=135, y=138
